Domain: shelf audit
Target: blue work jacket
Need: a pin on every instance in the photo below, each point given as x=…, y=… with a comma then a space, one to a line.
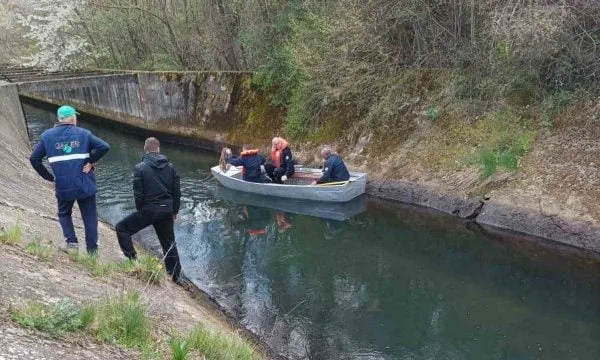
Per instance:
x=68, y=148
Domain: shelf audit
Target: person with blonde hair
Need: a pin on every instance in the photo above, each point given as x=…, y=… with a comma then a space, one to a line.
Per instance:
x=282, y=162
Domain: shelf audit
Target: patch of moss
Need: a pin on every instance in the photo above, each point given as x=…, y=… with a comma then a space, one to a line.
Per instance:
x=330, y=131
x=261, y=120
x=173, y=76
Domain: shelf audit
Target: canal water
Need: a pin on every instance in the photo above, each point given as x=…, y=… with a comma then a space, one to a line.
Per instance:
x=392, y=282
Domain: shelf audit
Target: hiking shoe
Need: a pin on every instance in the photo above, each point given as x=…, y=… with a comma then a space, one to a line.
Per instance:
x=70, y=248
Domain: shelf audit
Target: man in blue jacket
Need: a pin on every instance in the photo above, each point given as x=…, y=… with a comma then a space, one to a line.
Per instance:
x=334, y=168
x=72, y=153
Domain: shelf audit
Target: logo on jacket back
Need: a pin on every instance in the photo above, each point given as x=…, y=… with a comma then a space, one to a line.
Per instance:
x=67, y=147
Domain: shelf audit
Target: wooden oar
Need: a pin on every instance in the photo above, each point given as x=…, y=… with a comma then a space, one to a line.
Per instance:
x=334, y=183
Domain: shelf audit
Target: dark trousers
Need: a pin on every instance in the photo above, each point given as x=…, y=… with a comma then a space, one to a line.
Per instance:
x=163, y=225
x=275, y=173
x=262, y=179
x=87, y=207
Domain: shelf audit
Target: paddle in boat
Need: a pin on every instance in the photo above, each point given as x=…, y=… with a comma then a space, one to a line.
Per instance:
x=298, y=186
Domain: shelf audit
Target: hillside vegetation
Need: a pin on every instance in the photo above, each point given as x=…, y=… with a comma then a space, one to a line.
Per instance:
x=431, y=84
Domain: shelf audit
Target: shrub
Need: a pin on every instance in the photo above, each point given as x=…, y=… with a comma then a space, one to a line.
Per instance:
x=12, y=235
x=62, y=317
x=552, y=106
x=40, y=250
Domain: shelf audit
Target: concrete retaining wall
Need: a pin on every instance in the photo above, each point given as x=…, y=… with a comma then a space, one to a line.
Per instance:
x=490, y=212
x=201, y=104
x=20, y=186
x=12, y=113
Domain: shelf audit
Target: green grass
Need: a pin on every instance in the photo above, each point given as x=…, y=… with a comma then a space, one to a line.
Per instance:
x=215, y=345
x=433, y=113
x=505, y=154
x=124, y=321
x=62, y=317
x=12, y=235
x=94, y=265
x=146, y=267
x=180, y=347
x=42, y=251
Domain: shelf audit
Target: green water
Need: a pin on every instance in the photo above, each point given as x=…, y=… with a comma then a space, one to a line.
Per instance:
x=394, y=282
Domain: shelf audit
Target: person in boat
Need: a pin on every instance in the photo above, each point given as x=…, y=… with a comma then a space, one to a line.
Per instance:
x=282, y=162
x=334, y=169
x=250, y=160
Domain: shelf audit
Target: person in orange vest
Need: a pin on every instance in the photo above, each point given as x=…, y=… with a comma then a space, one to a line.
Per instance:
x=250, y=160
x=282, y=161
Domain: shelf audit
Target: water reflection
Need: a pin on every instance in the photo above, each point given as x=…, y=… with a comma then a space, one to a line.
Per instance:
x=388, y=283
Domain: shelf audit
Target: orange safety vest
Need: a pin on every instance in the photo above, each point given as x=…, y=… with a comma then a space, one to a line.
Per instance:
x=276, y=153
x=255, y=232
x=246, y=153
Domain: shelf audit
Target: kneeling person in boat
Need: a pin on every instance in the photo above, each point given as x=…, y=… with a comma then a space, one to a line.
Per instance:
x=334, y=169
x=282, y=161
x=250, y=160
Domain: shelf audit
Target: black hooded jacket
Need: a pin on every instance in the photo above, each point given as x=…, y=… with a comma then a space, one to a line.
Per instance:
x=156, y=185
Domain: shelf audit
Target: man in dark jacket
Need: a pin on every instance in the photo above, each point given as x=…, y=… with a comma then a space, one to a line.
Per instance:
x=334, y=168
x=157, y=195
x=250, y=160
x=72, y=153
x=282, y=162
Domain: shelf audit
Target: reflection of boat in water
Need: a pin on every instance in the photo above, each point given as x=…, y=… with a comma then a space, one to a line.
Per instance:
x=298, y=186
x=327, y=210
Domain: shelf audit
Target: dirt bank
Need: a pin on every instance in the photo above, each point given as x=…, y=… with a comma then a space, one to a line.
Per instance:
x=440, y=162
x=27, y=200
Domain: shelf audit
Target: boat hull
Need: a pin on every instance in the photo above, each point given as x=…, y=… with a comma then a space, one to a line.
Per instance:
x=327, y=193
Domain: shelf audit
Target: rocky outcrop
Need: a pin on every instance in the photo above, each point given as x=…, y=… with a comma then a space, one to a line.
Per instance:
x=535, y=222
x=413, y=193
x=491, y=212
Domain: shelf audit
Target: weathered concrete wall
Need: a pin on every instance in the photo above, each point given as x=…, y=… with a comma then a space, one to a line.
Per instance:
x=20, y=186
x=201, y=104
x=508, y=216
x=113, y=96
x=12, y=112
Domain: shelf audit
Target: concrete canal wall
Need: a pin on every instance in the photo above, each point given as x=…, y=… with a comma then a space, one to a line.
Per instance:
x=192, y=104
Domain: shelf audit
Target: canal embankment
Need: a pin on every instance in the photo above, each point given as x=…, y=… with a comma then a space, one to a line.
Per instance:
x=551, y=196
x=28, y=224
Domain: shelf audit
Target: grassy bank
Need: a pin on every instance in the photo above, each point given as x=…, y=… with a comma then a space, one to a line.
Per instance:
x=125, y=318
x=124, y=321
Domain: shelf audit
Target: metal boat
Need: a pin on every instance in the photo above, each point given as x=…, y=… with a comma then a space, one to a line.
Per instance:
x=297, y=186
